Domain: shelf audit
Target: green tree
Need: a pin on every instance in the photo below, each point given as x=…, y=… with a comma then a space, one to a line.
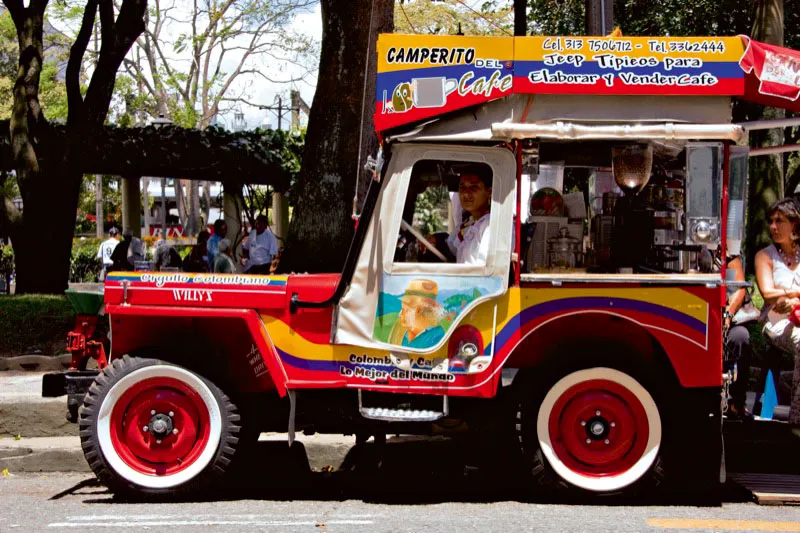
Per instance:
x=48, y=182
x=53, y=94
x=448, y=17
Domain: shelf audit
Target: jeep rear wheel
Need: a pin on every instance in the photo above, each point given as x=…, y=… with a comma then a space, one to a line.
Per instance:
x=151, y=429
x=597, y=430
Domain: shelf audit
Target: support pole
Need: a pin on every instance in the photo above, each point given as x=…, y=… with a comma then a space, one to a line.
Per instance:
x=146, y=204
x=232, y=215
x=280, y=216
x=164, y=208
x=98, y=205
x=131, y=206
x=599, y=17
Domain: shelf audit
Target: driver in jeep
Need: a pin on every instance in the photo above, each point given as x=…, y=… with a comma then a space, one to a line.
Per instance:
x=470, y=242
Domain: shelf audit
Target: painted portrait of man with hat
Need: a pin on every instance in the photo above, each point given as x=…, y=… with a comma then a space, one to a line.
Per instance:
x=420, y=316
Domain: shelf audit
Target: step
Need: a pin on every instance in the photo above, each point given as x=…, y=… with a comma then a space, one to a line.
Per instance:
x=401, y=413
x=405, y=415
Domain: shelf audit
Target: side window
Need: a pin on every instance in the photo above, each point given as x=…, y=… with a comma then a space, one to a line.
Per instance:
x=446, y=213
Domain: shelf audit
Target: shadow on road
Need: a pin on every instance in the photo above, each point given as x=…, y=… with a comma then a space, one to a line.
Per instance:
x=406, y=472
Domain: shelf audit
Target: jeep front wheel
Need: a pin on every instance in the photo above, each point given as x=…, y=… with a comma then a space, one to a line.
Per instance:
x=150, y=429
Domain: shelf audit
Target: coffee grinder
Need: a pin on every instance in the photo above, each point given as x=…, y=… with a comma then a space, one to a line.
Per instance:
x=633, y=223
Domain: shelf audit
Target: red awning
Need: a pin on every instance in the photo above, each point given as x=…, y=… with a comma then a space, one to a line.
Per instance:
x=773, y=75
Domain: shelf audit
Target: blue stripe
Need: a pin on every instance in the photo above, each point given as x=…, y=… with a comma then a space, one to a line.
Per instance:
x=720, y=69
x=326, y=366
x=591, y=303
x=123, y=278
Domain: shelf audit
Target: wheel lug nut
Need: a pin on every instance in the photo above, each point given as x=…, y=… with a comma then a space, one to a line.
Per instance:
x=588, y=441
x=608, y=441
x=145, y=429
x=171, y=414
x=597, y=412
x=152, y=411
x=158, y=441
x=583, y=422
x=613, y=424
x=175, y=431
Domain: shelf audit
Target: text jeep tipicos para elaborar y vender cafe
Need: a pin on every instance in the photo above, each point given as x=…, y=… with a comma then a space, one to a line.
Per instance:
x=585, y=328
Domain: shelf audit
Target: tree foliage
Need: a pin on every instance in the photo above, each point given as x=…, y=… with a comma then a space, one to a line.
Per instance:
x=258, y=156
x=52, y=92
x=50, y=185
x=448, y=17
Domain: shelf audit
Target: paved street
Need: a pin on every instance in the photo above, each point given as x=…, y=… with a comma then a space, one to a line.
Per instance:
x=70, y=502
x=414, y=485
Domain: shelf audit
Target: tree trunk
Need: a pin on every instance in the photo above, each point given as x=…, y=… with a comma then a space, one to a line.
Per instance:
x=49, y=200
x=42, y=251
x=321, y=227
x=766, y=172
x=520, y=18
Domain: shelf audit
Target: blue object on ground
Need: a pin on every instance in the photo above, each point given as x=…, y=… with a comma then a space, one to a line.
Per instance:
x=770, y=398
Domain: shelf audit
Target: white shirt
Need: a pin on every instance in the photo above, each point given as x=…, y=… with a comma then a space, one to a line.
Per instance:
x=106, y=249
x=474, y=247
x=261, y=248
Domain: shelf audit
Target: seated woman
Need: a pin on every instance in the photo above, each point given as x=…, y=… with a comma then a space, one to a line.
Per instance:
x=737, y=348
x=778, y=278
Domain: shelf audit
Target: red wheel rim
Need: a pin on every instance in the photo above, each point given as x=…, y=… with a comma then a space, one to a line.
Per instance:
x=604, y=444
x=139, y=448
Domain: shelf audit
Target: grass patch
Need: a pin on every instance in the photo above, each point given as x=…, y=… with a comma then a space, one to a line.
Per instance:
x=34, y=324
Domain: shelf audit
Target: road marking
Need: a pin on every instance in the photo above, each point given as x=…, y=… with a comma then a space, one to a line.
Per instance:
x=159, y=517
x=172, y=523
x=722, y=524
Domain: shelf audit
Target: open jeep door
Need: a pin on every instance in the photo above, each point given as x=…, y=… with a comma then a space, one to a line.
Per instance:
x=397, y=300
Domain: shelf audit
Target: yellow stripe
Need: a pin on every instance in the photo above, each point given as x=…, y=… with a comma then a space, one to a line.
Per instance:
x=482, y=318
x=498, y=48
x=722, y=524
x=533, y=48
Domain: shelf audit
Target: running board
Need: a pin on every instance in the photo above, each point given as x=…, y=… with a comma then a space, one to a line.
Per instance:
x=391, y=414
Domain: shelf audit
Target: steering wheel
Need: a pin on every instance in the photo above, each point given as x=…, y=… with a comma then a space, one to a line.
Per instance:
x=421, y=238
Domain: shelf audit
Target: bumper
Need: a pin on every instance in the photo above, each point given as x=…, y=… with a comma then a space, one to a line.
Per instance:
x=56, y=384
x=72, y=383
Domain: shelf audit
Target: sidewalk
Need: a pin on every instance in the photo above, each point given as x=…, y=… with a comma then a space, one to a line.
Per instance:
x=36, y=437
x=24, y=412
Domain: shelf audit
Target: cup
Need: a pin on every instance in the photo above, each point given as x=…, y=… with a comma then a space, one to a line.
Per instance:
x=432, y=92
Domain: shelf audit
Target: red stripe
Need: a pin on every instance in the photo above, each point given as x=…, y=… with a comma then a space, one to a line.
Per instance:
x=725, y=86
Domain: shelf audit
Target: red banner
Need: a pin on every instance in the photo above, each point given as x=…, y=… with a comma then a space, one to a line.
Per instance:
x=773, y=75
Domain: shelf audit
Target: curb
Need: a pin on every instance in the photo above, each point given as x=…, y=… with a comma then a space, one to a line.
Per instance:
x=48, y=454
x=36, y=363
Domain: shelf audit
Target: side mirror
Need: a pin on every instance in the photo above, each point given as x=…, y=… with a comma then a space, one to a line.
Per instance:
x=703, y=193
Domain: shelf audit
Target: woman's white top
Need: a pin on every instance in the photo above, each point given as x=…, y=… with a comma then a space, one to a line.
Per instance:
x=782, y=277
